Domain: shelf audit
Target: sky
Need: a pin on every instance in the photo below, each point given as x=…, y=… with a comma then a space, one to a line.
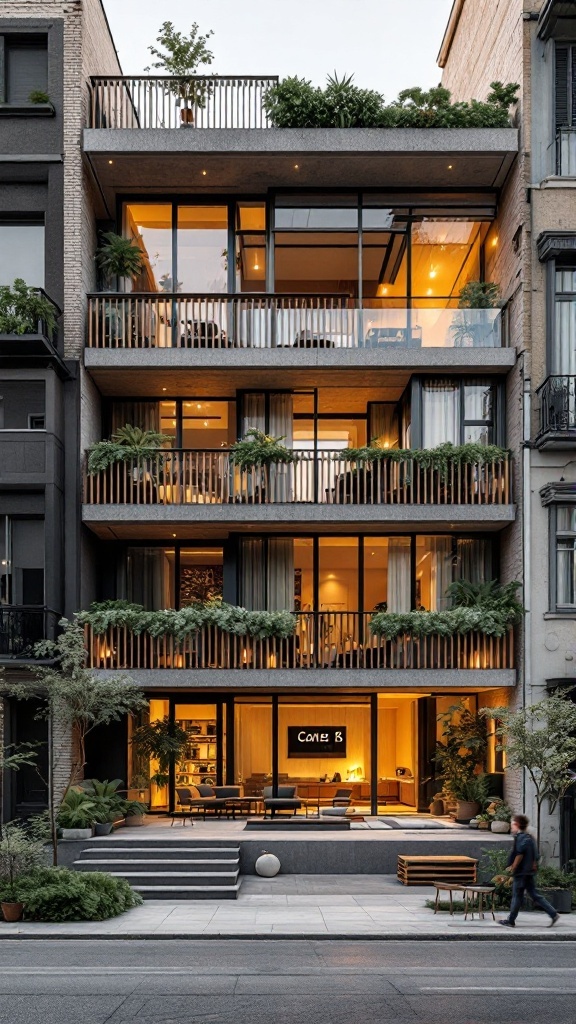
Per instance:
x=388, y=45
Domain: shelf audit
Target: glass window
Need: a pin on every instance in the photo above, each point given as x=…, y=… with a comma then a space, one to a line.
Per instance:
x=150, y=577
x=201, y=575
x=26, y=67
x=202, y=249
x=566, y=557
x=250, y=247
x=253, y=743
x=457, y=412
x=208, y=424
x=22, y=253
x=316, y=261
x=149, y=225
x=445, y=255
x=318, y=768
x=21, y=561
x=22, y=405
x=564, y=347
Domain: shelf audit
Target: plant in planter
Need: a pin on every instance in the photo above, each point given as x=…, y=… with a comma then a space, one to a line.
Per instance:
x=23, y=309
x=469, y=329
x=76, y=814
x=181, y=58
x=37, y=96
x=118, y=257
x=501, y=818
x=259, y=449
x=108, y=804
x=128, y=444
x=557, y=886
x=21, y=850
x=134, y=813
x=459, y=755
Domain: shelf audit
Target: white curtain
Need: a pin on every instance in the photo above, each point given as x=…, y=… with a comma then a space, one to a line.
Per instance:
x=399, y=568
x=148, y=578
x=280, y=574
x=440, y=413
x=441, y=572
x=474, y=560
x=253, y=412
x=281, y=419
x=564, y=353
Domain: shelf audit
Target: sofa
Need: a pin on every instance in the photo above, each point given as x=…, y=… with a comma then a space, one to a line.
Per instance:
x=207, y=798
x=286, y=800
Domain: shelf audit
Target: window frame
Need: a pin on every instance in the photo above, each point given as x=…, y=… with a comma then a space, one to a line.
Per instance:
x=565, y=611
x=37, y=39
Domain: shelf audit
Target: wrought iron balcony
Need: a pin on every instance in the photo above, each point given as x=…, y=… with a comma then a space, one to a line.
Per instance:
x=557, y=411
x=144, y=320
x=189, y=478
x=322, y=640
x=167, y=102
x=23, y=626
x=566, y=153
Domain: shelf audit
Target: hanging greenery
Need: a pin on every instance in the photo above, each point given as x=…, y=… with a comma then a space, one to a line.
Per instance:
x=181, y=624
x=23, y=308
x=487, y=608
x=259, y=449
x=128, y=444
x=440, y=458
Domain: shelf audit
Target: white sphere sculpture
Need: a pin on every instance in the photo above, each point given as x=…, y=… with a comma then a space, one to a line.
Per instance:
x=267, y=865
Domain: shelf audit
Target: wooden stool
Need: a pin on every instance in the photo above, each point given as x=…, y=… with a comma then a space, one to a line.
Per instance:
x=482, y=894
x=447, y=887
x=184, y=815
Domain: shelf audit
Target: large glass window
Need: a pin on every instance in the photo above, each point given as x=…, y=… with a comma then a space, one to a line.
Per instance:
x=457, y=412
x=316, y=245
x=564, y=342
x=250, y=247
x=566, y=558
x=445, y=255
x=25, y=68
x=21, y=561
x=149, y=225
x=202, y=249
x=22, y=252
x=176, y=577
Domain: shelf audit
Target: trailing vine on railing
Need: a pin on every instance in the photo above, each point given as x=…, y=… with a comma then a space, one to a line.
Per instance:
x=180, y=624
x=439, y=458
x=127, y=444
x=259, y=449
x=488, y=608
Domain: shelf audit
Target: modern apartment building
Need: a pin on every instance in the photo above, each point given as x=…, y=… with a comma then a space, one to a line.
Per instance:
x=533, y=42
x=305, y=284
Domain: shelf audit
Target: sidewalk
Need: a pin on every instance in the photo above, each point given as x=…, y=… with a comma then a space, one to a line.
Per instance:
x=288, y=907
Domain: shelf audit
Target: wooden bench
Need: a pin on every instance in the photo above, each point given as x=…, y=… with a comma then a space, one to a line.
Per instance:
x=427, y=870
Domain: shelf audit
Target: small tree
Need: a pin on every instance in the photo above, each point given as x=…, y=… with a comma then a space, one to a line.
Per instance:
x=77, y=699
x=461, y=750
x=165, y=742
x=181, y=57
x=540, y=739
x=21, y=850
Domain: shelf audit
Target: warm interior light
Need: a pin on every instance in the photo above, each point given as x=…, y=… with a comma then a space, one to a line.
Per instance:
x=198, y=405
x=205, y=423
x=204, y=173
x=163, y=389
x=386, y=444
x=256, y=266
x=296, y=167
x=450, y=166
x=173, y=534
x=429, y=292
x=495, y=241
x=110, y=161
x=432, y=273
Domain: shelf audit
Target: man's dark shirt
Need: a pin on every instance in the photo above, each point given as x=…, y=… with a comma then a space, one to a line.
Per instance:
x=525, y=847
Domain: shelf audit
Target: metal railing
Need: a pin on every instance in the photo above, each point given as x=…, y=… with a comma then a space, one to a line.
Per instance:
x=23, y=626
x=189, y=477
x=38, y=326
x=336, y=640
x=161, y=320
x=168, y=102
x=557, y=405
x=566, y=152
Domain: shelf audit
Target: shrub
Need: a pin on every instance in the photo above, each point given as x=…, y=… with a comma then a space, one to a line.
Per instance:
x=58, y=894
x=296, y=103
x=128, y=444
x=22, y=308
x=21, y=850
x=77, y=810
x=439, y=458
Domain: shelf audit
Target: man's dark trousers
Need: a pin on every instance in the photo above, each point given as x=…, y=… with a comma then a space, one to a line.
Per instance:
x=522, y=884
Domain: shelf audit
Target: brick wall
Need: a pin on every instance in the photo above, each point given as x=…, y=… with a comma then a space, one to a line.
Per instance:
x=88, y=50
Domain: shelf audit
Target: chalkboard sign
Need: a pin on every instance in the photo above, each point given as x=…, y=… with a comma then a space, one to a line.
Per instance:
x=316, y=741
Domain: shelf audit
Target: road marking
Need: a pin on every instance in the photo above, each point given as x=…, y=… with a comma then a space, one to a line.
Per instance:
x=488, y=990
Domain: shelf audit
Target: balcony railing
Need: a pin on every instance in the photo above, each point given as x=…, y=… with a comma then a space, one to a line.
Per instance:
x=566, y=152
x=160, y=320
x=163, y=102
x=557, y=405
x=23, y=626
x=34, y=328
x=186, y=477
x=336, y=640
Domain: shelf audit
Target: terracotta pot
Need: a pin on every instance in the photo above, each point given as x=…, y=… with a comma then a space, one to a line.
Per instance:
x=187, y=116
x=12, y=911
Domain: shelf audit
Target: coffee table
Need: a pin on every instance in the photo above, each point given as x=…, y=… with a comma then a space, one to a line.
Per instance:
x=244, y=804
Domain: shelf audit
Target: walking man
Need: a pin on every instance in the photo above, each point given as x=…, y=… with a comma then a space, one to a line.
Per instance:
x=523, y=865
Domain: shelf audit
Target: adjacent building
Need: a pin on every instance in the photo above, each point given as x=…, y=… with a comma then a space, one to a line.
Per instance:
x=304, y=284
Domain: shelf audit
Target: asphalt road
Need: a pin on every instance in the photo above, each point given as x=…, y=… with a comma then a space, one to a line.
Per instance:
x=286, y=982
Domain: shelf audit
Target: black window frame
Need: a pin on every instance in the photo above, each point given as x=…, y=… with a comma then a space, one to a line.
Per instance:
x=564, y=611
x=23, y=40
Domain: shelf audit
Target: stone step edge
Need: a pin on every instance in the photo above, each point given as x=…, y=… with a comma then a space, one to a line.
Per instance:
x=187, y=888
x=180, y=860
x=172, y=874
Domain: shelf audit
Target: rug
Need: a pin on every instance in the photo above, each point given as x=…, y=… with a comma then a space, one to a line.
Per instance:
x=414, y=823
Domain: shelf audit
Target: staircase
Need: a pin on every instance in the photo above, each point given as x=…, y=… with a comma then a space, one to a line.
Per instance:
x=178, y=869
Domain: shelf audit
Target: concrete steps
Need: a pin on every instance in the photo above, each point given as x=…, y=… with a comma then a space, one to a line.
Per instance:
x=181, y=870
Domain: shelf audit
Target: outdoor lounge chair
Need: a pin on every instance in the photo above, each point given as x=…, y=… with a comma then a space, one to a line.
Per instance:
x=287, y=800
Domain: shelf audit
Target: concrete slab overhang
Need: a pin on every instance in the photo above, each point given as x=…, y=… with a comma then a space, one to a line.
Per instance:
x=413, y=680
x=109, y=367
x=253, y=160
x=166, y=521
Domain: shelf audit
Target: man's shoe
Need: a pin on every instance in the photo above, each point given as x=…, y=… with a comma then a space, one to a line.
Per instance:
x=507, y=923
x=555, y=920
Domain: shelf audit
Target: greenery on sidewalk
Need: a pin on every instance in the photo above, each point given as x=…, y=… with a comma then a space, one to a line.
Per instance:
x=58, y=894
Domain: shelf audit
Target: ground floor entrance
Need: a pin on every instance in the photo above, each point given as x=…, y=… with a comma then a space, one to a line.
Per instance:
x=377, y=746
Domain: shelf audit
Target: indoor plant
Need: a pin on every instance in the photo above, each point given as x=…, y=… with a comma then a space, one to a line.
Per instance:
x=20, y=852
x=459, y=754
x=163, y=742
x=23, y=308
x=76, y=814
x=181, y=58
x=475, y=327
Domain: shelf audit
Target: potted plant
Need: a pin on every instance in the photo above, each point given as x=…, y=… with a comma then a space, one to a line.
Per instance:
x=143, y=449
x=556, y=886
x=40, y=98
x=266, y=454
x=20, y=852
x=470, y=795
x=76, y=815
x=468, y=329
x=501, y=818
x=181, y=58
x=483, y=820
x=459, y=754
x=134, y=813
x=118, y=257
x=25, y=310
x=108, y=804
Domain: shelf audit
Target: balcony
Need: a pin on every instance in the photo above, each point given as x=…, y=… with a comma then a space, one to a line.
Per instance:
x=32, y=339
x=200, y=479
x=322, y=641
x=245, y=332
x=566, y=153
x=23, y=626
x=557, y=397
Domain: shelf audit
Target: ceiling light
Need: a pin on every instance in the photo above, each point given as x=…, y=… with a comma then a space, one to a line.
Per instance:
x=432, y=273
x=163, y=389
x=256, y=266
x=173, y=534
x=204, y=173
x=296, y=167
x=450, y=166
x=110, y=161
x=199, y=405
x=205, y=423
x=429, y=292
